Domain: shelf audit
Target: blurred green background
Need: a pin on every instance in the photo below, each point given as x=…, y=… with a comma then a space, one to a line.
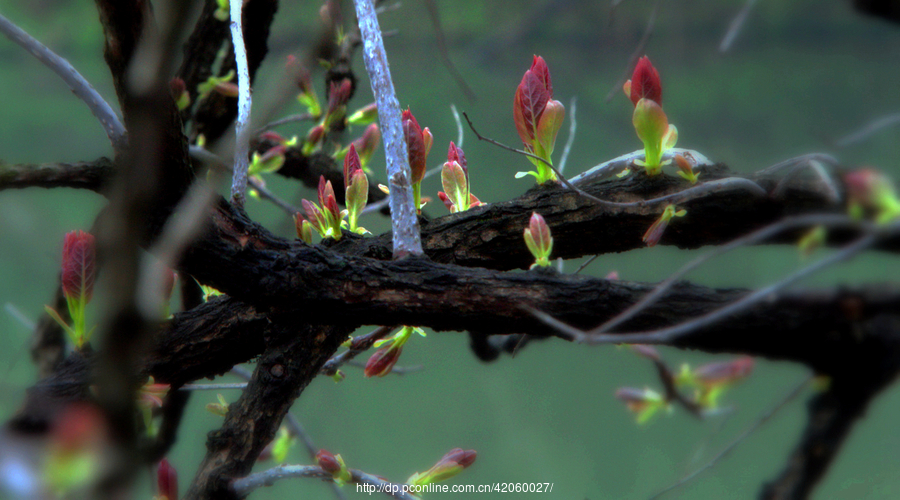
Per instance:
x=800, y=75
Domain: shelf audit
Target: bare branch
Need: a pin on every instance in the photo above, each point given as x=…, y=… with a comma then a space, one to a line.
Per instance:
x=867, y=130
x=750, y=239
x=669, y=334
x=404, y=222
x=241, y=127
x=735, y=27
x=573, y=125
x=763, y=418
x=91, y=175
x=648, y=32
x=80, y=87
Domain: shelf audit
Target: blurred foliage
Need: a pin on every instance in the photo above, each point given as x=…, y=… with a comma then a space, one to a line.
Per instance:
x=800, y=75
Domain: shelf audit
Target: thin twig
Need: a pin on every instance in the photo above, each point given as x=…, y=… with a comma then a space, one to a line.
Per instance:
x=569, y=140
x=16, y=313
x=360, y=344
x=827, y=220
x=719, y=185
x=735, y=27
x=213, y=387
x=301, y=117
x=80, y=87
x=459, y=127
x=241, y=126
x=295, y=428
x=441, y=40
x=868, y=130
x=205, y=155
x=592, y=258
x=404, y=219
x=670, y=334
x=763, y=418
x=648, y=31
x=245, y=485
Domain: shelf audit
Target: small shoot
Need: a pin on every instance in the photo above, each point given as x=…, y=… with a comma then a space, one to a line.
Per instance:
x=418, y=144
x=78, y=269
x=357, y=190
x=383, y=360
x=450, y=465
x=871, y=194
x=334, y=465
x=649, y=120
x=455, y=180
x=538, y=118
x=644, y=403
x=539, y=240
x=656, y=230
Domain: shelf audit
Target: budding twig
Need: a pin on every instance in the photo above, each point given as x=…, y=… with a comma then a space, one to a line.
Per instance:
x=245, y=485
x=670, y=334
x=404, y=221
x=80, y=87
x=757, y=236
x=763, y=418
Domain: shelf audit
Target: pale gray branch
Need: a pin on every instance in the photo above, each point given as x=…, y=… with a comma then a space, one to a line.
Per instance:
x=245, y=485
x=80, y=87
x=241, y=136
x=404, y=220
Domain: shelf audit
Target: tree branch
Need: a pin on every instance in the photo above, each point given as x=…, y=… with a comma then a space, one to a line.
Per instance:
x=404, y=222
x=241, y=134
x=80, y=87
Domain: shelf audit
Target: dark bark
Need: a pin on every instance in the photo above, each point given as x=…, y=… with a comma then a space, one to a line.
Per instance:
x=294, y=355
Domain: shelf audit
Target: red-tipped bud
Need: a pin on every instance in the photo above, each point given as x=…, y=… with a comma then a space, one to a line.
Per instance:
x=725, y=372
x=273, y=137
x=686, y=168
x=656, y=230
x=351, y=164
x=338, y=95
x=456, y=154
x=448, y=466
x=328, y=462
x=304, y=228
x=382, y=361
x=167, y=480
x=368, y=143
x=325, y=191
x=644, y=83
x=539, y=240
x=417, y=149
x=531, y=97
x=180, y=93
x=78, y=266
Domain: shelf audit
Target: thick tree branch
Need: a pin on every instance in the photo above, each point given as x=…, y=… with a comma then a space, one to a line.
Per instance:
x=293, y=356
x=92, y=175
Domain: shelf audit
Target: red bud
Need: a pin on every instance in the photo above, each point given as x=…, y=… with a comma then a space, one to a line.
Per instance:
x=645, y=82
x=78, y=265
x=167, y=480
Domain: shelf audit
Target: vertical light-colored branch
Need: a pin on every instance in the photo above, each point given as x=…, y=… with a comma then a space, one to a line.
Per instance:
x=80, y=87
x=404, y=222
x=241, y=138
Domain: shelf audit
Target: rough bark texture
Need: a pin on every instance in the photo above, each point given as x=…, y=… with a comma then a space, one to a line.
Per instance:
x=468, y=279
